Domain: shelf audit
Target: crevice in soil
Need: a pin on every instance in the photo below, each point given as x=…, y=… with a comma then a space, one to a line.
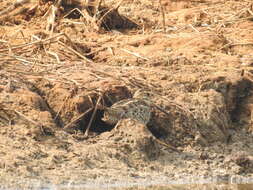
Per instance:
x=57, y=121
x=110, y=18
x=98, y=125
x=241, y=97
x=237, y=93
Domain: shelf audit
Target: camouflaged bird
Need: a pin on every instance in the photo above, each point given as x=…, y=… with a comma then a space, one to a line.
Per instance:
x=138, y=108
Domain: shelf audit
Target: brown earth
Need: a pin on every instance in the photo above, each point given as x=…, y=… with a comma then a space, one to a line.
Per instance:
x=199, y=70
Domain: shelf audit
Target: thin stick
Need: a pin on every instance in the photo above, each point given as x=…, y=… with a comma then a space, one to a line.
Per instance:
x=166, y=144
x=236, y=44
x=75, y=9
x=15, y=5
x=31, y=43
x=135, y=54
x=161, y=109
x=3, y=41
x=75, y=52
x=77, y=119
x=54, y=55
x=193, y=28
x=17, y=58
x=163, y=15
x=5, y=112
x=51, y=19
x=110, y=10
x=31, y=121
x=97, y=8
x=92, y=117
x=61, y=107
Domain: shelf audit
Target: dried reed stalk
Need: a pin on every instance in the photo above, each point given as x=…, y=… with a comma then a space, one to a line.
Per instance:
x=86, y=134
x=163, y=15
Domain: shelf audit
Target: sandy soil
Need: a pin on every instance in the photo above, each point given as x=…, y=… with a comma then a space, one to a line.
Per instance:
x=199, y=70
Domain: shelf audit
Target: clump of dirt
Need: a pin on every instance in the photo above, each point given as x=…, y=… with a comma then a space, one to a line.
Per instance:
x=20, y=93
x=237, y=92
x=70, y=103
x=194, y=118
x=137, y=141
x=210, y=114
x=21, y=105
x=92, y=12
x=111, y=19
x=242, y=159
x=40, y=109
x=57, y=60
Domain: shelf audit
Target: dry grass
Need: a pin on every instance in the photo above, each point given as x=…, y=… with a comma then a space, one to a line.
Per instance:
x=165, y=48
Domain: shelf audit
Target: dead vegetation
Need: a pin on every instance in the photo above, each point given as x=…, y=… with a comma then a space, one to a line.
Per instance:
x=63, y=61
